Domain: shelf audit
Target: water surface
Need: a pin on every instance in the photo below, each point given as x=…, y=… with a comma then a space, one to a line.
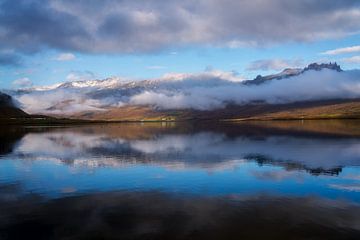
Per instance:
x=181, y=181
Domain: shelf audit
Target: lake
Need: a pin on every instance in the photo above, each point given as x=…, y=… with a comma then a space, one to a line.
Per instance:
x=248, y=180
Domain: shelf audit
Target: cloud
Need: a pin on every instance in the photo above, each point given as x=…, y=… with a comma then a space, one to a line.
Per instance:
x=200, y=149
x=22, y=82
x=155, y=67
x=208, y=75
x=108, y=26
x=80, y=76
x=61, y=101
x=203, y=91
x=9, y=59
x=354, y=59
x=65, y=57
x=205, y=94
x=273, y=64
x=345, y=50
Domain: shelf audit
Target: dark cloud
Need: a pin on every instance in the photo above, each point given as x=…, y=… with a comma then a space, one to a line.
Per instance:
x=9, y=59
x=28, y=26
x=141, y=26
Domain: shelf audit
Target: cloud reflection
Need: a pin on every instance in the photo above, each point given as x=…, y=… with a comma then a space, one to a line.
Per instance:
x=90, y=147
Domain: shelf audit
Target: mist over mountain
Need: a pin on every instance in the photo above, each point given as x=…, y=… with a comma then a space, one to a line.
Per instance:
x=204, y=91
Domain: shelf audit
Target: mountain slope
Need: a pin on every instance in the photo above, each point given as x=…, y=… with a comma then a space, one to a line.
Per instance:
x=330, y=109
x=348, y=110
x=8, y=109
x=210, y=95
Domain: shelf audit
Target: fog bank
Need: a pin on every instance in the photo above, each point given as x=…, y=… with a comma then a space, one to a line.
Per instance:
x=204, y=91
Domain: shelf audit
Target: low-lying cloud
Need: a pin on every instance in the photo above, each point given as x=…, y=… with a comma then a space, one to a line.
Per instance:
x=205, y=91
x=58, y=101
x=311, y=85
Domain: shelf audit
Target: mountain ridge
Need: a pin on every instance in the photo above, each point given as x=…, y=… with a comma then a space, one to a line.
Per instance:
x=113, y=82
x=291, y=72
x=112, y=99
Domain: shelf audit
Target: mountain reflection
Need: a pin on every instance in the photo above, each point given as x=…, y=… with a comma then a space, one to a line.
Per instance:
x=291, y=158
x=182, y=146
x=258, y=180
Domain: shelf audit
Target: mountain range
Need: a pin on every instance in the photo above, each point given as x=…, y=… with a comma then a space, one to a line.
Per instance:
x=316, y=91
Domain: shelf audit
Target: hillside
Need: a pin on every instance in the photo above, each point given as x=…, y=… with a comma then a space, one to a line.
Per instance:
x=336, y=110
x=331, y=109
x=8, y=109
x=318, y=91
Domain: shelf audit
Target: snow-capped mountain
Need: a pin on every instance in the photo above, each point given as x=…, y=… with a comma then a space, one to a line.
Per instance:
x=173, y=80
x=205, y=91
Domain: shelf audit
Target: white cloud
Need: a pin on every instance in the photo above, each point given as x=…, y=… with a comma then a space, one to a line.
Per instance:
x=80, y=76
x=354, y=59
x=205, y=93
x=344, y=50
x=202, y=78
x=22, y=82
x=60, y=101
x=273, y=64
x=65, y=57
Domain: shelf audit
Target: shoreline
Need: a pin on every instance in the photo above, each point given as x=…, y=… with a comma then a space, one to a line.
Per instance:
x=66, y=121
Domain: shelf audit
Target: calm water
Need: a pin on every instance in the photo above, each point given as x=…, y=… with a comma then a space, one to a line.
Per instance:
x=270, y=180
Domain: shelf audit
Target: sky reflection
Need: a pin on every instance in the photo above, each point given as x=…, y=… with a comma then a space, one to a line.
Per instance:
x=184, y=160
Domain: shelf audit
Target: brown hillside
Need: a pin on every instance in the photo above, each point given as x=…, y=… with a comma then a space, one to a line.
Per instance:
x=330, y=109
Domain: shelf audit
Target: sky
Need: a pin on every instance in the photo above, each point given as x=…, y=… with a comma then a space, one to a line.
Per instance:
x=51, y=41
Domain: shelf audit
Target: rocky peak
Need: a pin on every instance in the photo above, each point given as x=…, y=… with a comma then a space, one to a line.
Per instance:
x=291, y=72
x=318, y=67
